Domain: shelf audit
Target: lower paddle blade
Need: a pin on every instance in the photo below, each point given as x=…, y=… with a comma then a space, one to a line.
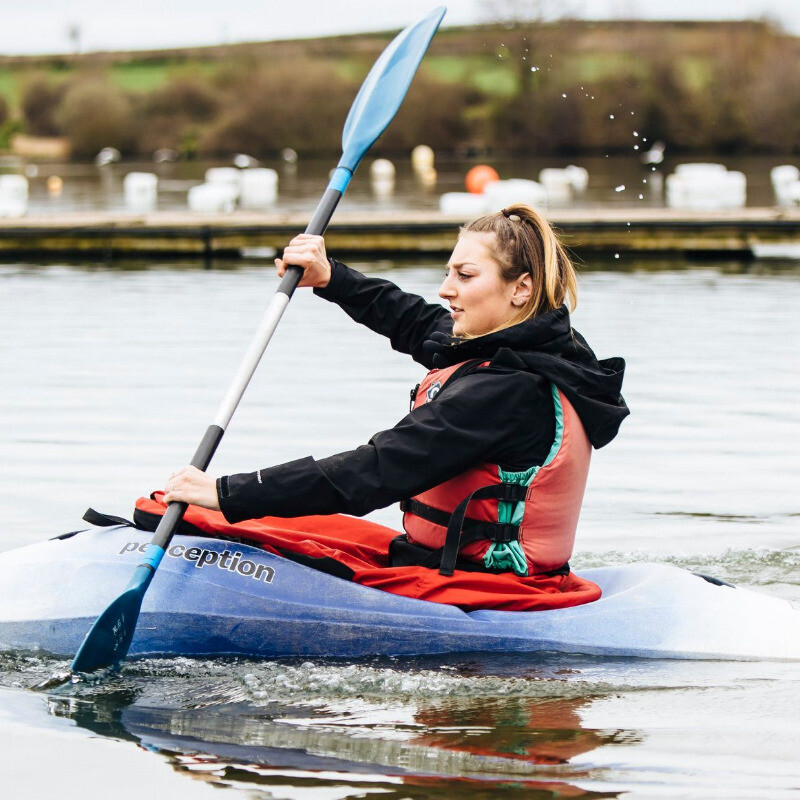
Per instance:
x=109, y=639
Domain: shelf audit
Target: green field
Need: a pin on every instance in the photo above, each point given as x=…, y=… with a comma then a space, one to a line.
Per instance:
x=475, y=90
x=485, y=73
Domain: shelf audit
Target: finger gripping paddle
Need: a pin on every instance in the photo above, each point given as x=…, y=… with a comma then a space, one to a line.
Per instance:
x=377, y=102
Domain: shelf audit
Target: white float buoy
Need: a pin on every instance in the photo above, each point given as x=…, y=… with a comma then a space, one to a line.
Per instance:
x=783, y=179
x=140, y=190
x=793, y=192
x=258, y=187
x=462, y=204
x=422, y=158
x=557, y=183
x=213, y=198
x=224, y=176
x=501, y=194
x=578, y=177
x=288, y=155
x=382, y=169
x=701, y=168
x=14, y=185
x=13, y=195
x=706, y=187
x=243, y=161
x=108, y=155
x=382, y=174
x=780, y=250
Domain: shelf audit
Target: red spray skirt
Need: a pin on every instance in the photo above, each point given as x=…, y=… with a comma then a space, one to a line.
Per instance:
x=362, y=547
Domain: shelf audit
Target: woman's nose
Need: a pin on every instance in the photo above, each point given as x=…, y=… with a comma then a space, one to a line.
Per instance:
x=446, y=289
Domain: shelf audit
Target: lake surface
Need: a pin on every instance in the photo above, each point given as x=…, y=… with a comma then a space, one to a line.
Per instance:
x=614, y=181
x=111, y=375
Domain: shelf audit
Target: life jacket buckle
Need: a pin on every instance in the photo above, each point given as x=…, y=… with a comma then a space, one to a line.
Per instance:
x=503, y=533
x=413, y=397
x=512, y=492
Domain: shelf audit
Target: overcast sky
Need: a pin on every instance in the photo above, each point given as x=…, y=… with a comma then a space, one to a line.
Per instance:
x=44, y=26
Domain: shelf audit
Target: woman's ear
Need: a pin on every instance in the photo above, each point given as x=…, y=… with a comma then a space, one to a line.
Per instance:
x=522, y=291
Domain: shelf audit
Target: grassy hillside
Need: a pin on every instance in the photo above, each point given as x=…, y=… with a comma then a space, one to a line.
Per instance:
x=533, y=87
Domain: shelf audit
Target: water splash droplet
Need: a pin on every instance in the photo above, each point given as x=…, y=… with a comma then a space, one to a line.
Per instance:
x=611, y=116
x=620, y=188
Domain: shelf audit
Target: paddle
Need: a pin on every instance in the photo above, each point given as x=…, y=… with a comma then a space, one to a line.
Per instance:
x=376, y=104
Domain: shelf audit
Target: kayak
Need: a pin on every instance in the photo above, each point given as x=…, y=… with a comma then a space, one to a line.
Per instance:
x=212, y=597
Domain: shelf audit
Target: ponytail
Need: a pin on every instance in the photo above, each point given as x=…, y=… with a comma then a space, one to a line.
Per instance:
x=526, y=243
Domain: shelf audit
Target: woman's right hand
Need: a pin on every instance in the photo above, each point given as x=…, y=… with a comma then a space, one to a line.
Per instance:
x=307, y=251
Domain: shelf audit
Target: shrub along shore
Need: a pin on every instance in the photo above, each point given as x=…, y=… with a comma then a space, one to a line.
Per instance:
x=548, y=89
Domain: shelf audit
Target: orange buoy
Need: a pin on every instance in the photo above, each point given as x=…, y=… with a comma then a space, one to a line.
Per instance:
x=479, y=176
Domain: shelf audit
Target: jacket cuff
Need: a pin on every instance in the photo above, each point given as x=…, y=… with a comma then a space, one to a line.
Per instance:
x=235, y=495
x=337, y=288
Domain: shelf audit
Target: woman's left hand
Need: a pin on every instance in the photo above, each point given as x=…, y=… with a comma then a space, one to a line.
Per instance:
x=191, y=485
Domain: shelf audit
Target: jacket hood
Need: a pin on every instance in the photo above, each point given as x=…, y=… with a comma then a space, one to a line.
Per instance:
x=548, y=346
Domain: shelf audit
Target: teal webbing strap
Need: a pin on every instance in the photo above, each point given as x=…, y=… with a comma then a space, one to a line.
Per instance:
x=501, y=555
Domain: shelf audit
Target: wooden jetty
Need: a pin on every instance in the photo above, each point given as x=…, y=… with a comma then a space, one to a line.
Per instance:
x=185, y=234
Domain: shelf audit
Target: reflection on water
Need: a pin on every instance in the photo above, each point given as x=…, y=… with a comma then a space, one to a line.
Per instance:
x=424, y=743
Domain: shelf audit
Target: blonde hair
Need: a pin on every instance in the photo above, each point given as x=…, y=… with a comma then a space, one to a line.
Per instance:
x=524, y=242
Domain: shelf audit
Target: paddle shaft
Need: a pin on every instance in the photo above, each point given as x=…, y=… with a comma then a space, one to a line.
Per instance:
x=378, y=100
x=272, y=316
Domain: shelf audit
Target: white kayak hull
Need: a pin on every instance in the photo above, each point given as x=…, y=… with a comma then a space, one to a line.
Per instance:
x=51, y=593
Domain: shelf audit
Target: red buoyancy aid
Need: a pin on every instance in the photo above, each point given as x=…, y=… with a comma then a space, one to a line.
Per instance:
x=486, y=506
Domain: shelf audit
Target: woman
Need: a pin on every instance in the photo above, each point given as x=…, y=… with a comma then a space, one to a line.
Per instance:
x=490, y=464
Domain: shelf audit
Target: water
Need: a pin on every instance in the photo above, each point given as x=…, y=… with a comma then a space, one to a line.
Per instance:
x=90, y=188
x=109, y=377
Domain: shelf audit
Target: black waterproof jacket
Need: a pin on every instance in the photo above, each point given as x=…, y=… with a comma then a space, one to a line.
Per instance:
x=501, y=413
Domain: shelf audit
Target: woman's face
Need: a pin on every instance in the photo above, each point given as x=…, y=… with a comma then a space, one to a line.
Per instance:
x=480, y=300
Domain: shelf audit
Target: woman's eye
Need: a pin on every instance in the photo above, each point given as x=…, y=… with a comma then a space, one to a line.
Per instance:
x=463, y=276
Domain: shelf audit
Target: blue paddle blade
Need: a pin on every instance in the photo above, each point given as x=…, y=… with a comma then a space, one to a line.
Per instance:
x=385, y=87
x=109, y=639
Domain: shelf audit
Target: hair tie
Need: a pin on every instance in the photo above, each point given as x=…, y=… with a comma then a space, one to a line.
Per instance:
x=509, y=216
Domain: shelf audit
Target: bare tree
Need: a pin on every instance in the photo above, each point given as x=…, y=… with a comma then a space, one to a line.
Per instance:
x=534, y=33
x=525, y=11
x=74, y=33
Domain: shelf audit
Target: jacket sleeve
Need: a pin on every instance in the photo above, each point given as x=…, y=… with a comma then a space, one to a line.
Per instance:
x=487, y=416
x=406, y=319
